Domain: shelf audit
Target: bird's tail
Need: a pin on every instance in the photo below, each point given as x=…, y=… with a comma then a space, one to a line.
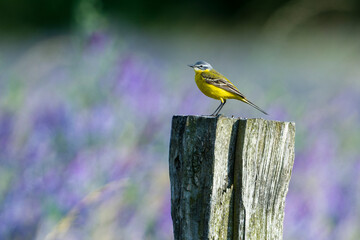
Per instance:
x=253, y=105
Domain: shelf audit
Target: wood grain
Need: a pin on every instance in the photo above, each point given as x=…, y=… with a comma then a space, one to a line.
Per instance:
x=229, y=177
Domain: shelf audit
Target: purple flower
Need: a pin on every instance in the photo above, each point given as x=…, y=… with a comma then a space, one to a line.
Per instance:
x=6, y=130
x=97, y=40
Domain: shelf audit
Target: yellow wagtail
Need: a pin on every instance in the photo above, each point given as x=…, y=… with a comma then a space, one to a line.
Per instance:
x=215, y=85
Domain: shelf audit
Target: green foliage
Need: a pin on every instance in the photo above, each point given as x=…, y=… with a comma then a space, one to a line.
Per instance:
x=66, y=13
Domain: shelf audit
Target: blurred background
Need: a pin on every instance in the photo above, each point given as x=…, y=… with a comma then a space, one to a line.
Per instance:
x=88, y=89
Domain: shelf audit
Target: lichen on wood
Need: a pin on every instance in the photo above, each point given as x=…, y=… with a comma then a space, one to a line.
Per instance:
x=263, y=165
x=229, y=177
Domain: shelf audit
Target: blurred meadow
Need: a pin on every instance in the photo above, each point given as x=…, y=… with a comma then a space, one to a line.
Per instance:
x=88, y=89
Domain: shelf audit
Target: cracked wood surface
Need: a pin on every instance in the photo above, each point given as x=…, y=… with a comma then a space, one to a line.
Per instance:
x=229, y=177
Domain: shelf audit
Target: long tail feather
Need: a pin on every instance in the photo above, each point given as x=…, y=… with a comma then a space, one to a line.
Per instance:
x=253, y=105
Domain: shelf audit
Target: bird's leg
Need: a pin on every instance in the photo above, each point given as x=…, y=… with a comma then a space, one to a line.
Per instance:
x=221, y=107
x=214, y=113
x=217, y=111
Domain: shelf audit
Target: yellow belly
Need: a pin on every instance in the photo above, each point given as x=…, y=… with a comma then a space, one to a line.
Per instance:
x=212, y=91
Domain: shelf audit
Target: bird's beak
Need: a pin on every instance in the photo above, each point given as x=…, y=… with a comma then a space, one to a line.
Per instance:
x=192, y=66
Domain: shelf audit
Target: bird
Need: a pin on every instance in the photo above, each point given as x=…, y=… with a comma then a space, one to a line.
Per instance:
x=215, y=85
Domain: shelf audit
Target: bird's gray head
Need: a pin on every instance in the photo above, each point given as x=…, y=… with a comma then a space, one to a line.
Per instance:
x=201, y=65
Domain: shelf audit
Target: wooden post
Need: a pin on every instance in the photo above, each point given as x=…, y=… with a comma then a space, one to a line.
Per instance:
x=229, y=177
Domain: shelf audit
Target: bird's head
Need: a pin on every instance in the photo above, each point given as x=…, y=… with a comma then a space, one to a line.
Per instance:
x=201, y=66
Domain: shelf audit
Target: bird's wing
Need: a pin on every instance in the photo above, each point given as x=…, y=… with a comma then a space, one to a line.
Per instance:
x=218, y=80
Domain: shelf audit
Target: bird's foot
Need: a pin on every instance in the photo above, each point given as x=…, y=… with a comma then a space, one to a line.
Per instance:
x=215, y=115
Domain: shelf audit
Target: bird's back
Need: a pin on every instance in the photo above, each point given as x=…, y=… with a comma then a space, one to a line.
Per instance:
x=211, y=90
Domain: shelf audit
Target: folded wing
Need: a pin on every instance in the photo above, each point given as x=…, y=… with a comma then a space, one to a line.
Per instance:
x=220, y=81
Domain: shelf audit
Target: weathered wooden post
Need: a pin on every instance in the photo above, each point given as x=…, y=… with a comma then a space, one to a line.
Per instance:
x=229, y=177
